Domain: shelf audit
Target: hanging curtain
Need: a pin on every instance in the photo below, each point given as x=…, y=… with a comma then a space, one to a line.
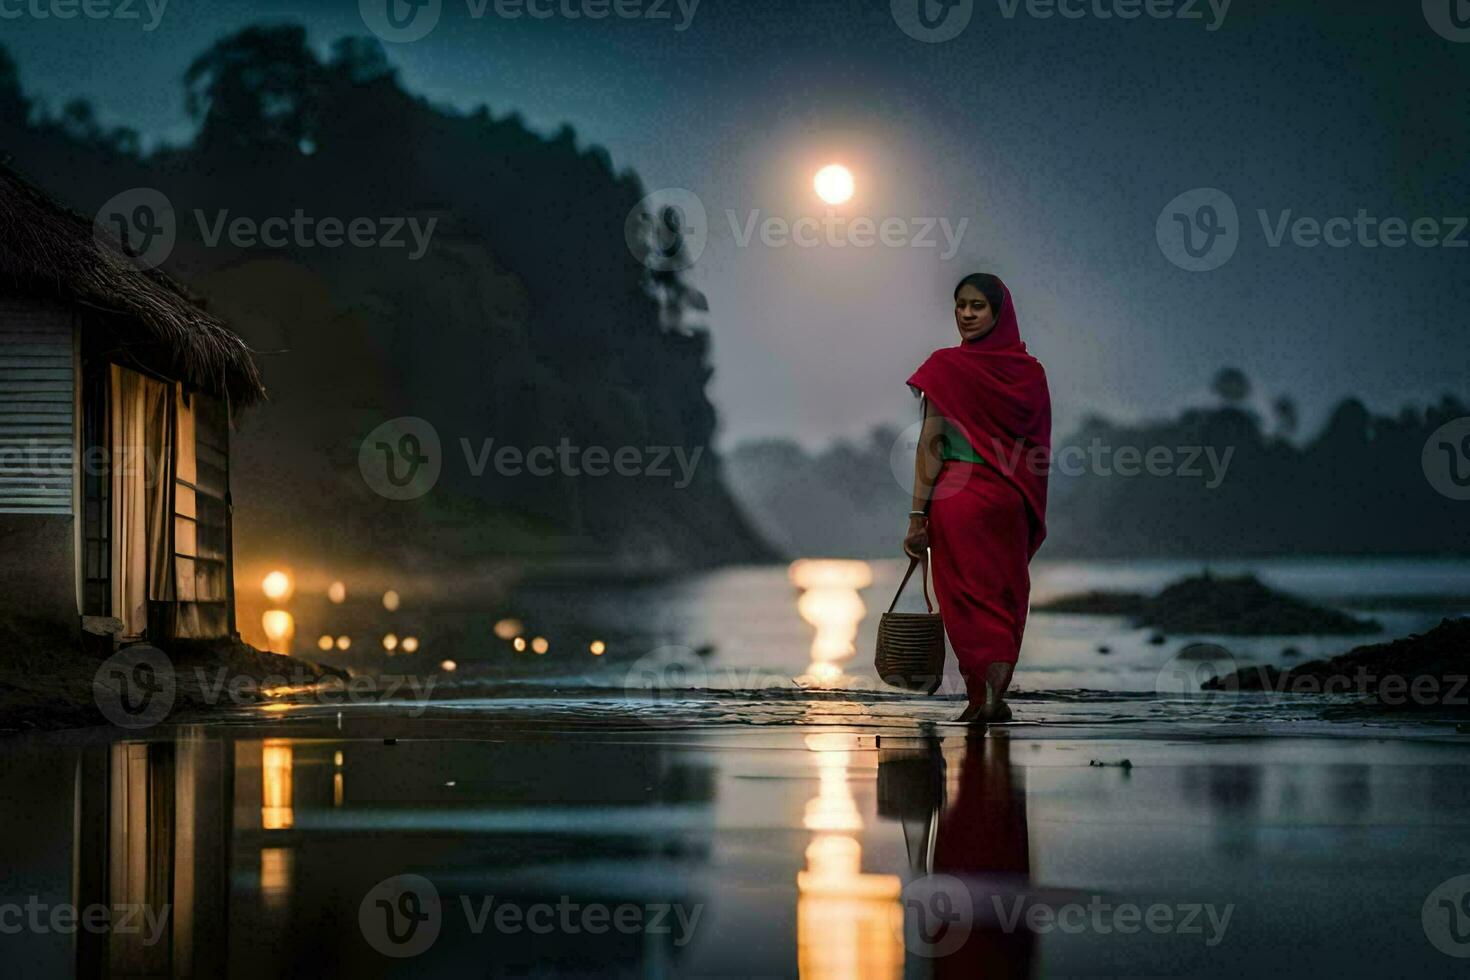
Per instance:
x=141, y=477
x=162, y=436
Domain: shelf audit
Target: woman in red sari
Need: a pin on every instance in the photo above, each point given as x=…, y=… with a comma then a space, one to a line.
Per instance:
x=980, y=474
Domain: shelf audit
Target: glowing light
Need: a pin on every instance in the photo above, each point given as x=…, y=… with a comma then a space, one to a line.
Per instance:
x=277, y=586
x=833, y=809
x=344, y=642
x=410, y=644
x=337, y=592
x=390, y=642
x=833, y=863
x=830, y=603
x=824, y=673
x=519, y=643
x=539, y=645
x=848, y=922
x=509, y=628
x=598, y=648
x=830, y=573
x=390, y=600
x=324, y=642
x=337, y=758
x=449, y=665
x=834, y=184
x=280, y=627
x=275, y=785
x=275, y=877
x=836, y=614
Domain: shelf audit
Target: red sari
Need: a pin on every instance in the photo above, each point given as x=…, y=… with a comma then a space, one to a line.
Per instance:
x=986, y=521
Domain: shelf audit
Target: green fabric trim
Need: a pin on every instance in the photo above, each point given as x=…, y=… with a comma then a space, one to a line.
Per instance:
x=953, y=445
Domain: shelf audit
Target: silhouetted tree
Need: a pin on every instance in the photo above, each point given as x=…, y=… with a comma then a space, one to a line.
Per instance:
x=664, y=248
x=15, y=108
x=1231, y=385
x=360, y=60
x=79, y=121
x=1286, y=416
x=255, y=89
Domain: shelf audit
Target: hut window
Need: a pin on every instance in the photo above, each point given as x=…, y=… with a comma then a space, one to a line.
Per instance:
x=201, y=517
x=35, y=410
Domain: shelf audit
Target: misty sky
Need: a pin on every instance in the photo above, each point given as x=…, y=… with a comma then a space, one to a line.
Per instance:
x=1056, y=142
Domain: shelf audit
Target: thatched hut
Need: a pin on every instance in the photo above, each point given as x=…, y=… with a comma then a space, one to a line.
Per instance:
x=117, y=391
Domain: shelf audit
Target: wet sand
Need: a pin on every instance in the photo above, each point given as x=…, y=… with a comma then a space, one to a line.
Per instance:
x=590, y=837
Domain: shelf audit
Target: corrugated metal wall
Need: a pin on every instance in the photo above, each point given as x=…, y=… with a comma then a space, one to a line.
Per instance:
x=36, y=408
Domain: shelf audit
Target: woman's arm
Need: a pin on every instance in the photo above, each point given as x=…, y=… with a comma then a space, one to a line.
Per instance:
x=926, y=470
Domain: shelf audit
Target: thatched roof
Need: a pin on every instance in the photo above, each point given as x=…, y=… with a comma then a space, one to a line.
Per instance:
x=47, y=250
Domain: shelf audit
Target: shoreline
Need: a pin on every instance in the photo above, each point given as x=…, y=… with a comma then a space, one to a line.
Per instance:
x=1083, y=716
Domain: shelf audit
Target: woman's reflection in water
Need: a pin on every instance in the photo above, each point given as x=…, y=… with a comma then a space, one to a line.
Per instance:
x=979, y=837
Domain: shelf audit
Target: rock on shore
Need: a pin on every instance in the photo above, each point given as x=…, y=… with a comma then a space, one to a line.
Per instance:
x=1233, y=606
x=1422, y=670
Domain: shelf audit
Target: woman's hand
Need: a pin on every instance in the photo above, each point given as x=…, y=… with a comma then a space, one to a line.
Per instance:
x=916, y=541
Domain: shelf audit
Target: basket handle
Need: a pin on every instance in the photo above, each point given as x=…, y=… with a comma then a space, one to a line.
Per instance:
x=924, y=578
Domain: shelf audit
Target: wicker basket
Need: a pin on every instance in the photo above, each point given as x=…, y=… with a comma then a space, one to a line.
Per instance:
x=910, y=650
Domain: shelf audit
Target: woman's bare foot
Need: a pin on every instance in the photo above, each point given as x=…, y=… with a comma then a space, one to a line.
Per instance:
x=997, y=680
x=972, y=713
x=994, y=711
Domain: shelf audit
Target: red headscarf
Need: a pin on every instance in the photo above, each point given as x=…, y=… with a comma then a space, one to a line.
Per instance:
x=996, y=393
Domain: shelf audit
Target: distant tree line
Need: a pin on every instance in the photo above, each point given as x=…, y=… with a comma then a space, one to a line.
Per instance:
x=1356, y=487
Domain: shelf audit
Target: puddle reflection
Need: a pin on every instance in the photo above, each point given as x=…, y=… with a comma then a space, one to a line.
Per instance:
x=275, y=778
x=848, y=922
x=251, y=851
x=247, y=856
x=966, y=834
x=231, y=839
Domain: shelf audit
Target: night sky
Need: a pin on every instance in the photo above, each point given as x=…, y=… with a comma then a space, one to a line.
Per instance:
x=1057, y=141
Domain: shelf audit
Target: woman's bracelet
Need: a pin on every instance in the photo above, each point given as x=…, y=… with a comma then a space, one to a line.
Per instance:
x=917, y=513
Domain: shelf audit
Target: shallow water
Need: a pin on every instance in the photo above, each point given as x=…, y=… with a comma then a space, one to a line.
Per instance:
x=750, y=629
x=685, y=806
x=823, y=848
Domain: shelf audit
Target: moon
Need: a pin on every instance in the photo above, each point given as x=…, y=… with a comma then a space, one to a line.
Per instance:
x=834, y=184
